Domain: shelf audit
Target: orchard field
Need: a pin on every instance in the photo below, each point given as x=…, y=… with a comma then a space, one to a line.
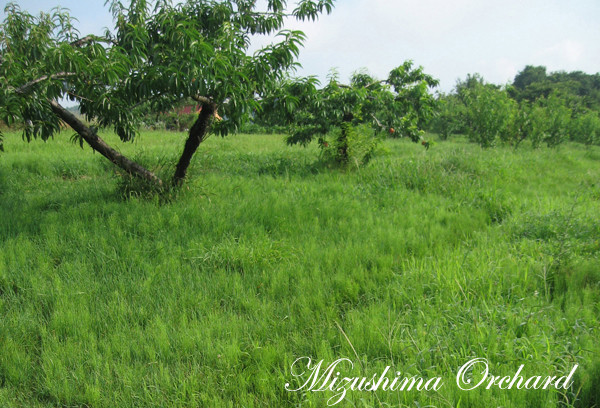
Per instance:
x=420, y=260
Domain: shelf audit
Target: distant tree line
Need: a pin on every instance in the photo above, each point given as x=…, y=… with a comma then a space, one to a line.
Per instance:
x=538, y=107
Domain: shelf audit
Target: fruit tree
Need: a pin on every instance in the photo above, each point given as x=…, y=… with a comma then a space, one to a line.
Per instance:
x=399, y=105
x=158, y=54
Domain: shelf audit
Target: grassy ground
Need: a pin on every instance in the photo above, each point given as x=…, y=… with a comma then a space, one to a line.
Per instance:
x=420, y=260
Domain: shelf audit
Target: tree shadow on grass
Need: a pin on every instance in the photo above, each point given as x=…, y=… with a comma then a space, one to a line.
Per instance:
x=24, y=208
x=278, y=164
x=287, y=166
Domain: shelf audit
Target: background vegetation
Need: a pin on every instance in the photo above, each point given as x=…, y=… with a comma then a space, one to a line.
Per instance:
x=425, y=259
x=542, y=108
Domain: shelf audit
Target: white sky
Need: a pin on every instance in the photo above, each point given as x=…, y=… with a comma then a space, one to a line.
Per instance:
x=449, y=38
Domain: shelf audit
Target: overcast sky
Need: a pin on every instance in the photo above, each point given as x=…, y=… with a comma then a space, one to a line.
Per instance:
x=449, y=38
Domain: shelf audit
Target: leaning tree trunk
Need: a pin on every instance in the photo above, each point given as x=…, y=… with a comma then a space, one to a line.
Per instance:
x=196, y=136
x=102, y=147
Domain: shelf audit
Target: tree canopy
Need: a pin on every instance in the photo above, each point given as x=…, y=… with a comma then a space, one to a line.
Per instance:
x=399, y=104
x=539, y=107
x=157, y=54
x=580, y=90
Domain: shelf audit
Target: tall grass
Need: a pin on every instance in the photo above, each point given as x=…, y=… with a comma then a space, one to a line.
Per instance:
x=420, y=260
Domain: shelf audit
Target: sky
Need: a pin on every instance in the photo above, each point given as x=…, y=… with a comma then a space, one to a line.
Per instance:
x=449, y=38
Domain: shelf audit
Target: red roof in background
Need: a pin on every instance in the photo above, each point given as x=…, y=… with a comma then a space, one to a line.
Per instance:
x=189, y=109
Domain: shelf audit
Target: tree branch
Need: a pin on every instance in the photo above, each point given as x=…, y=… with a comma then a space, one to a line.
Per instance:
x=102, y=147
x=383, y=81
x=146, y=100
x=22, y=90
x=377, y=121
x=203, y=99
x=207, y=101
x=88, y=39
x=79, y=43
x=74, y=95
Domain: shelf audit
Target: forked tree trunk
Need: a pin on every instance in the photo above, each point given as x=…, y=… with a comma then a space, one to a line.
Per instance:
x=196, y=136
x=102, y=147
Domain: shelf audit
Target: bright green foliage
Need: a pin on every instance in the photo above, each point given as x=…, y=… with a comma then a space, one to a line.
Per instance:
x=412, y=104
x=399, y=105
x=558, y=124
x=471, y=82
x=586, y=128
x=350, y=145
x=551, y=121
x=519, y=125
x=488, y=113
x=539, y=125
x=158, y=54
x=521, y=112
x=449, y=118
x=43, y=60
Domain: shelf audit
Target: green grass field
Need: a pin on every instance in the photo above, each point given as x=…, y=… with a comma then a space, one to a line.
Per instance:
x=422, y=261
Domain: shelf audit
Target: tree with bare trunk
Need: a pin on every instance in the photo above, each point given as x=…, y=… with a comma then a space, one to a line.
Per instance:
x=157, y=54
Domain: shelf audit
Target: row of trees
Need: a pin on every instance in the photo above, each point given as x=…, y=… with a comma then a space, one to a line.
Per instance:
x=542, y=111
x=160, y=54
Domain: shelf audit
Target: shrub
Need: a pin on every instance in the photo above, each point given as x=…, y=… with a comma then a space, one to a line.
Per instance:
x=488, y=112
x=518, y=126
x=351, y=145
x=539, y=125
x=449, y=118
x=558, y=118
x=586, y=129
